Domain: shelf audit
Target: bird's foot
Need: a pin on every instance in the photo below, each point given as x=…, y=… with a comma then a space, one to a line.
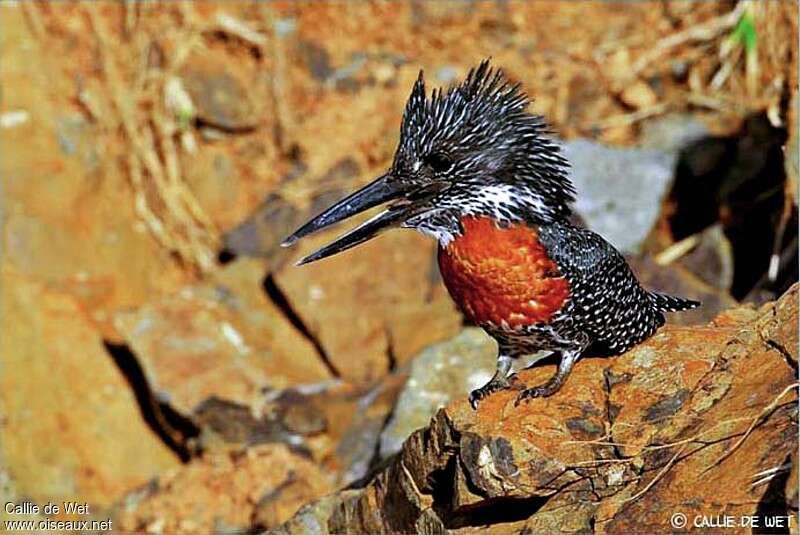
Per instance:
x=495, y=385
x=541, y=391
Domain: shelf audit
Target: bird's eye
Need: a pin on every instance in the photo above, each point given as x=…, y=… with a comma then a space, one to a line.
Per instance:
x=438, y=162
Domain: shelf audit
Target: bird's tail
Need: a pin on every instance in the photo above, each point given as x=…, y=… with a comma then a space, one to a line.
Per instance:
x=668, y=303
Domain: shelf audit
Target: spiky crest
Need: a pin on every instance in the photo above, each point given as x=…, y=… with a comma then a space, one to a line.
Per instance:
x=484, y=96
x=504, y=161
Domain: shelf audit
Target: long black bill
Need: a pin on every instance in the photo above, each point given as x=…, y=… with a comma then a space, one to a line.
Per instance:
x=365, y=231
x=379, y=191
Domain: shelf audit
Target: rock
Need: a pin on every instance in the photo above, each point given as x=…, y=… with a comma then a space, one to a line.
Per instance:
x=67, y=204
x=228, y=425
x=75, y=139
x=261, y=233
x=357, y=434
x=316, y=59
x=223, y=339
x=257, y=488
x=350, y=77
x=47, y=232
x=681, y=423
x=428, y=14
x=441, y=373
x=341, y=423
x=778, y=24
x=71, y=427
x=312, y=519
x=9, y=494
x=368, y=324
x=447, y=74
x=216, y=175
x=336, y=424
x=638, y=95
x=792, y=161
x=675, y=279
x=219, y=94
x=672, y=132
x=727, y=402
x=712, y=258
x=620, y=190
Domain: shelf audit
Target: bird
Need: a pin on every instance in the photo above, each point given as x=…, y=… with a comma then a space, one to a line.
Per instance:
x=485, y=177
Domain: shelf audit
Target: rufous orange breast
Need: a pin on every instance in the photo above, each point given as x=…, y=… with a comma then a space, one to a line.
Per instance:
x=502, y=275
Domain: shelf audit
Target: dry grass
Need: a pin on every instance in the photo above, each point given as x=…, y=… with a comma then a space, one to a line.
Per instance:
x=161, y=197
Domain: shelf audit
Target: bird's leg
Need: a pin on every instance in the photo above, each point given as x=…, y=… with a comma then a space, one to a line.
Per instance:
x=499, y=381
x=554, y=384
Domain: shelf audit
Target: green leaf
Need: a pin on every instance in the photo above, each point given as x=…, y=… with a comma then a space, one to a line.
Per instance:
x=745, y=32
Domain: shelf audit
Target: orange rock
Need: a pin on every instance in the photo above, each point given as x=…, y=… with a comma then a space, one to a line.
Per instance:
x=68, y=205
x=256, y=488
x=71, y=427
x=378, y=302
x=223, y=339
x=687, y=422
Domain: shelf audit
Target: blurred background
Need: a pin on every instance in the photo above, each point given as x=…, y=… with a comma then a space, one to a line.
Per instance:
x=161, y=357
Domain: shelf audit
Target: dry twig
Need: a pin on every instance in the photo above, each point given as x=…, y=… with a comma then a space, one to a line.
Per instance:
x=765, y=411
x=241, y=30
x=658, y=476
x=701, y=32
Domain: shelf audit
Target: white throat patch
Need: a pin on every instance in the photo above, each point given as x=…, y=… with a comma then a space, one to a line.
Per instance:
x=502, y=202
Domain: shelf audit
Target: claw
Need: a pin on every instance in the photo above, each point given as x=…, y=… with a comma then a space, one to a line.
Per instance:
x=477, y=395
x=474, y=398
x=543, y=391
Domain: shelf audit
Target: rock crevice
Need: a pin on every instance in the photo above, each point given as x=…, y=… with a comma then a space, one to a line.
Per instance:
x=282, y=302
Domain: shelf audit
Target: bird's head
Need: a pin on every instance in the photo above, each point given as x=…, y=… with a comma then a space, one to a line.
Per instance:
x=470, y=150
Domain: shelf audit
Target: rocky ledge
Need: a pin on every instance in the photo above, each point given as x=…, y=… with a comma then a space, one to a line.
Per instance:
x=697, y=421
